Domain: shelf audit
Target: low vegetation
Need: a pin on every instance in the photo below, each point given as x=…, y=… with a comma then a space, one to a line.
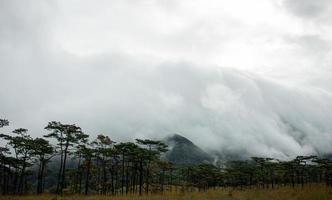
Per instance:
x=312, y=192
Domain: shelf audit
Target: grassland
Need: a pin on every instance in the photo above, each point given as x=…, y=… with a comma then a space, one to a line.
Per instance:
x=310, y=192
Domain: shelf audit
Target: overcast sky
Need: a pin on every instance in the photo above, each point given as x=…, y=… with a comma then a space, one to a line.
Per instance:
x=248, y=77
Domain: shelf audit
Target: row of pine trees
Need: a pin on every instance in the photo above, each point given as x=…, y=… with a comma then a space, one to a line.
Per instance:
x=103, y=166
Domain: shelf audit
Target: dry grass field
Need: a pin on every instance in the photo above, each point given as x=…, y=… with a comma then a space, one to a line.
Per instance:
x=313, y=192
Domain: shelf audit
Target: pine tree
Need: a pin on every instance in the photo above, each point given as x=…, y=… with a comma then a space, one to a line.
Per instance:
x=67, y=135
x=43, y=151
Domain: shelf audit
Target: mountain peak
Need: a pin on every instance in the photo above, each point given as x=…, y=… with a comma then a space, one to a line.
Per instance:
x=179, y=139
x=183, y=151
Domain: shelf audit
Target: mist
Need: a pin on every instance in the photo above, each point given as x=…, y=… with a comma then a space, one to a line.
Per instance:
x=257, y=89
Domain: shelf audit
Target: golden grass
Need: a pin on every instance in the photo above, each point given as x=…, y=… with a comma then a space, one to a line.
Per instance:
x=312, y=192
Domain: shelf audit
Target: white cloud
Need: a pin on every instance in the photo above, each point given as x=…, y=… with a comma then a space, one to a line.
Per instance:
x=246, y=77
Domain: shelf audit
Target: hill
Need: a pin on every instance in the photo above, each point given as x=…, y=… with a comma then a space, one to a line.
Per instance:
x=183, y=151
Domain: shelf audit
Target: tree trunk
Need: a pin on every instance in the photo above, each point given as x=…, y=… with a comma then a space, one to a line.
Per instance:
x=123, y=173
x=87, y=177
x=112, y=180
x=147, y=178
x=64, y=168
x=104, y=177
x=39, y=178
x=21, y=179
x=140, y=176
x=60, y=169
x=127, y=178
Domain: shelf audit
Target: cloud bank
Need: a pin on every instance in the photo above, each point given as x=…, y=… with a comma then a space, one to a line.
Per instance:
x=224, y=77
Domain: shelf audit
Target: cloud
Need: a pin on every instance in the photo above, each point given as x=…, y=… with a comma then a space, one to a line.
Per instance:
x=308, y=8
x=222, y=110
x=129, y=69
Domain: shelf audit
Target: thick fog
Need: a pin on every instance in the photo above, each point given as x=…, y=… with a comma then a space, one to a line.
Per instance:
x=251, y=78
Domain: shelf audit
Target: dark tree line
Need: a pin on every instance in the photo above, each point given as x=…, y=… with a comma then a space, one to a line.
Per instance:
x=103, y=166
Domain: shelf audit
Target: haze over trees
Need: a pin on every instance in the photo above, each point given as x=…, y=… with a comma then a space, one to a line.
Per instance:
x=82, y=165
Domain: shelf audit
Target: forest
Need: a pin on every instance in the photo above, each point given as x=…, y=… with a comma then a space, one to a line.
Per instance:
x=66, y=161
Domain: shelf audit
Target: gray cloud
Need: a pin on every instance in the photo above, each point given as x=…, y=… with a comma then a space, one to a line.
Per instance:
x=224, y=110
x=313, y=43
x=308, y=8
x=128, y=95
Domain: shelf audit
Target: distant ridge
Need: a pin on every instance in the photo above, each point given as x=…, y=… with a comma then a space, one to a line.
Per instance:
x=183, y=151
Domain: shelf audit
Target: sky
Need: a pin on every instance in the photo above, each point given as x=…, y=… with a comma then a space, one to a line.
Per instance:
x=251, y=78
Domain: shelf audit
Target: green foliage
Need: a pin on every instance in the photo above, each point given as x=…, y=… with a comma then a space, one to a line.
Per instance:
x=3, y=122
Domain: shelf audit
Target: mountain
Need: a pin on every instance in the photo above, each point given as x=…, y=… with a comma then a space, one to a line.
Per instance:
x=183, y=151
